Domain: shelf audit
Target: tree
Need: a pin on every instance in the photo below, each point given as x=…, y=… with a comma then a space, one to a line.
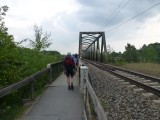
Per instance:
x=8, y=52
x=130, y=54
x=156, y=46
x=42, y=40
x=3, y=10
x=149, y=54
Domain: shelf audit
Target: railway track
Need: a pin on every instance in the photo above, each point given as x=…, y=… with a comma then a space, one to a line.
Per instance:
x=142, y=81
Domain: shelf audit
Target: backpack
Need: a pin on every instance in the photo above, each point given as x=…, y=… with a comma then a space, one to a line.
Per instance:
x=68, y=60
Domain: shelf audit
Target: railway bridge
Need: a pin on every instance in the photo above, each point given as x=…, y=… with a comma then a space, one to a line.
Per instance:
x=99, y=96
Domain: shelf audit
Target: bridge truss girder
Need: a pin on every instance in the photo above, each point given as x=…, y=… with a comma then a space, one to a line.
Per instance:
x=92, y=45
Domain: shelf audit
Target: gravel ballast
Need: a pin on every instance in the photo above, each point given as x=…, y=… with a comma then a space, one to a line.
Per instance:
x=119, y=101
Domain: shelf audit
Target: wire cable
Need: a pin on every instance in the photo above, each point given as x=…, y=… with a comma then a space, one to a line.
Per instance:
x=113, y=16
x=113, y=12
x=117, y=13
x=134, y=17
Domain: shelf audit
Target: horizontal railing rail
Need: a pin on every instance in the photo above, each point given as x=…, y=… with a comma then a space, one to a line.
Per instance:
x=97, y=106
x=52, y=69
x=91, y=101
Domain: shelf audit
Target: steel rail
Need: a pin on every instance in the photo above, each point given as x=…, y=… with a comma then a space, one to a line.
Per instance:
x=155, y=79
x=144, y=86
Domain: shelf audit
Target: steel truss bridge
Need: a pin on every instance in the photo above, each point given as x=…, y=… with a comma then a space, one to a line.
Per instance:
x=92, y=45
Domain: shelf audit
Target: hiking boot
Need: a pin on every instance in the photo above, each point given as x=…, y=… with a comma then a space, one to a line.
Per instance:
x=72, y=87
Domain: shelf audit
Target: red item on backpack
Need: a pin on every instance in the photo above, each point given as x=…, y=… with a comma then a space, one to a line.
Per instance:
x=68, y=60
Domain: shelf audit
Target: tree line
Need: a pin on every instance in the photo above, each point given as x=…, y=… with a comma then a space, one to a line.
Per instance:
x=148, y=53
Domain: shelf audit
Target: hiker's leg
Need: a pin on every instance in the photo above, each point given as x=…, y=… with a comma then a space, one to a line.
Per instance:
x=67, y=75
x=68, y=80
x=72, y=78
x=72, y=86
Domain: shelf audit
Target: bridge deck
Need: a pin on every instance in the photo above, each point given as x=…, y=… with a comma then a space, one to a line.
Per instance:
x=58, y=103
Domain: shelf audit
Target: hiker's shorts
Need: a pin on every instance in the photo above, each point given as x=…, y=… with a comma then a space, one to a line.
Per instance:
x=69, y=71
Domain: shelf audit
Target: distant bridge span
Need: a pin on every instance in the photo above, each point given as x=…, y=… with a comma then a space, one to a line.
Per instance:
x=92, y=45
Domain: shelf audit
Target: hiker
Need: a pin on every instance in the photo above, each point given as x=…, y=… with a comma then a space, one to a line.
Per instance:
x=76, y=56
x=75, y=68
x=75, y=62
x=69, y=67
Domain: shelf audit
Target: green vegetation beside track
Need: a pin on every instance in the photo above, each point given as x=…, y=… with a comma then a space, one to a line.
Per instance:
x=152, y=69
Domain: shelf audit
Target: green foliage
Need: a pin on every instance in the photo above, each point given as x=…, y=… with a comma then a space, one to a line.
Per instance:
x=16, y=63
x=41, y=39
x=33, y=61
x=147, y=68
x=8, y=111
x=3, y=10
x=8, y=67
x=115, y=58
x=156, y=46
x=130, y=54
x=148, y=54
x=8, y=54
x=29, y=62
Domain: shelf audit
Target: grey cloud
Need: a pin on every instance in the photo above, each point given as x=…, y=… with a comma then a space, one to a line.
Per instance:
x=71, y=22
x=137, y=6
x=94, y=12
x=100, y=11
x=97, y=3
x=97, y=13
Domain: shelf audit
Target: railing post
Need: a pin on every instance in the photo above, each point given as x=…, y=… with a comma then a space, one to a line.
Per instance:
x=88, y=108
x=50, y=73
x=83, y=77
x=32, y=89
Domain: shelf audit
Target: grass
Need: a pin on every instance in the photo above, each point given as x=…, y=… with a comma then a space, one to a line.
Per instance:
x=152, y=69
x=12, y=112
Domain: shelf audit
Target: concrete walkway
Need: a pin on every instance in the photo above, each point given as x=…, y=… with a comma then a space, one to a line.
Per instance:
x=58, y=103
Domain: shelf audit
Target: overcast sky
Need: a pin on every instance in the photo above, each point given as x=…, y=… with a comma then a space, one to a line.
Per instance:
x=64, y=19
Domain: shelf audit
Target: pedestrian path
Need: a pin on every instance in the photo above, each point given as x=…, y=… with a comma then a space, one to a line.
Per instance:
x=58, y=103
